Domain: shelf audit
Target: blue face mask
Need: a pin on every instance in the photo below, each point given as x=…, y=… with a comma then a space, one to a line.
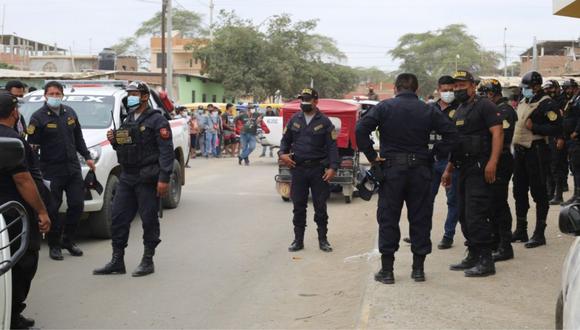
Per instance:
x=54, y=102
x=528, y=93
x=133, y=101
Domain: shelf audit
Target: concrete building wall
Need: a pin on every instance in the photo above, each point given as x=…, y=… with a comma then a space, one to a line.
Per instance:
x=552, y=65
x=198, y=90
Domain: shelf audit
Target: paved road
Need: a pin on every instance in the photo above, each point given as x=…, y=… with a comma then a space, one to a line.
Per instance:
x=223, y=263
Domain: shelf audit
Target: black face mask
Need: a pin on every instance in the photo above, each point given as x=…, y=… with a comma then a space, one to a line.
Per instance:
x=306, y=107
x=461, y=95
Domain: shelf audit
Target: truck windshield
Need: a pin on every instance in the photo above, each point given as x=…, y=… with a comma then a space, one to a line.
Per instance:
x=93, y=111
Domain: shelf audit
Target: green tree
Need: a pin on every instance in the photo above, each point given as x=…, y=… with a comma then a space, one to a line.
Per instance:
x=189, y=23
x=372, y=75
x=6, y=66
x=283, y=58
x=432, y=54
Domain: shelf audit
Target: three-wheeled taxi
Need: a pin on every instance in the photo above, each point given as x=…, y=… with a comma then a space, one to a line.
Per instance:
x=344, y=116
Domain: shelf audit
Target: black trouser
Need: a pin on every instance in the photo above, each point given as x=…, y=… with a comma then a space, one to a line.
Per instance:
x=501, y=217
x=73, y=186
x=558, y=173
x=411, y=185
x=22, y=274
x=574, y=152
x=305, y=179
x=475, y=204
x=530, y=170
x=134, y=196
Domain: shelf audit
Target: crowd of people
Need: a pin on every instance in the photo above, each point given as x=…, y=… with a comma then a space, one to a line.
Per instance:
x=217, y=134
x=479, y=139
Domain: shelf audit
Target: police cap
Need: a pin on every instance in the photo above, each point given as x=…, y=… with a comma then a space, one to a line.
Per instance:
x=532, y=78
x=138, y=86
x=463, y=75
x=569, y=83
x=7, y=104
x=308, y=94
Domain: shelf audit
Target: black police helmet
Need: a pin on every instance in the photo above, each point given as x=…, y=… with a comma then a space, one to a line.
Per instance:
x=368, y=186
x=569, y=219
x=569, y=83
x=532, y=78
x=138, y=86
x=490, y=86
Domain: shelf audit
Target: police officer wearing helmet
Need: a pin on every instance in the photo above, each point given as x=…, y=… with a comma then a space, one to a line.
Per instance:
x=558, y=174
x=501, y=217
x=405, y=124
x=145, y=151
x=538, y=119
x=56, y=132
x=571, y=130
x=309, y=148
x=481, y=142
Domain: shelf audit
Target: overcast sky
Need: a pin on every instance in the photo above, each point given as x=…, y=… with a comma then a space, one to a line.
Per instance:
x=364, y=29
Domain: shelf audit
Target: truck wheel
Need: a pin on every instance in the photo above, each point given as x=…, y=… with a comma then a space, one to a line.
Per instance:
x=172, y=199
x=100, y=222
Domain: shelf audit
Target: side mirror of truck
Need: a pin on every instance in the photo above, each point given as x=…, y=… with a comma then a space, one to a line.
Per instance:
x=11, y=152
x=569, y=220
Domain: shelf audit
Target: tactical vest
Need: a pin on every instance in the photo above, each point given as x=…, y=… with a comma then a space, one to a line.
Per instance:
x=136, y=143
x=522, y=135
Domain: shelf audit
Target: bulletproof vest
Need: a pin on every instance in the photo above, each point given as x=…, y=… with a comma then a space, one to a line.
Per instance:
x=136, y=144
x=522, y=135
x=472, y=144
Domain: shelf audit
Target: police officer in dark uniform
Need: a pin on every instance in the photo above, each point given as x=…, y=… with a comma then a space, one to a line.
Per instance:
x=571, y=132
x=538, y=119
x=481, y=142
x=309, y=148
x=558, y=174
x=20, y=184
x=56, y=131
x=404, y=124
x=501, y=217
x=145, y=151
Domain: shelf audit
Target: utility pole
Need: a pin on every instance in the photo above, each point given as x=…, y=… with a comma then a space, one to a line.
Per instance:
x=505, y=53
x=169, y=50
x=3, y=20
x=162, y=64
x=535, y=55
x=211, y=7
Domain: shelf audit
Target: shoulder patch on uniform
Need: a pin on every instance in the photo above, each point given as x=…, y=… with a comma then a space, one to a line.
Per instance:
x=142, y=128
x=70, y=121
x=285, y=130
x=451, y=114
x=506, y=124
x=552, y=115
x=297, y=125
x=334, y=134
x=30, y=129
x=165, y=133
x=318, y=128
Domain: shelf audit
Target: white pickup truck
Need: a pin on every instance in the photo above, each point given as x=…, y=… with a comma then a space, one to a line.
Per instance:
x=96, y=102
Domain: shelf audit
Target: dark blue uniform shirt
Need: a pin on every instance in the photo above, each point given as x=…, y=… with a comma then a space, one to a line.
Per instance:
x=59, y=138
x=405, y=124
x=315, y=141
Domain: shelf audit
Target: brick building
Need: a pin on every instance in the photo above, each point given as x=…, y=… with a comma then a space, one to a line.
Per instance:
x=555, y=58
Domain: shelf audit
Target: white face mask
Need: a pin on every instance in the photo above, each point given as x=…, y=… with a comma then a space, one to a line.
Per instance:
x=448, y=97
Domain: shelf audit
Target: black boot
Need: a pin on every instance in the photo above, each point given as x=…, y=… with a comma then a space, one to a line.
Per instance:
x=385, y=275
x=298, y=243
x=446, y=243
x=146, y=266
x=115, y=266
x=323, y=240
x=469, y=261
x=538, y=238
x=418, y=273
x=504, y=252
x=557, y=199
x=484, y=267
x=575, y=198
x=55, y=252
x=521, y=233
x=71, y=247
